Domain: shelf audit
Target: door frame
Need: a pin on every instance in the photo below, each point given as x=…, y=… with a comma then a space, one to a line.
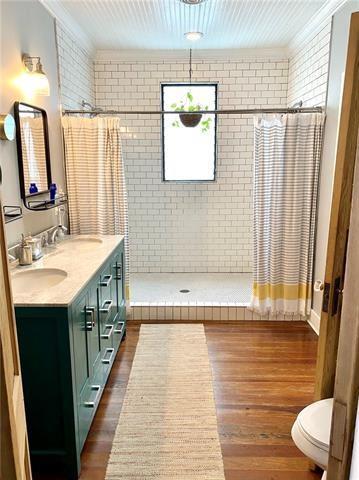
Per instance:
x=338, y=347
x=14, y=448
x=347, y=372
x=339, y=221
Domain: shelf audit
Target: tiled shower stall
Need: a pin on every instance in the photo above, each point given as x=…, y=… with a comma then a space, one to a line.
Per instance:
x=196, y=236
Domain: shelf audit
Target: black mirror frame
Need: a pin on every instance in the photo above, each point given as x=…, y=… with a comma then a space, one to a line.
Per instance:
x=24, y=195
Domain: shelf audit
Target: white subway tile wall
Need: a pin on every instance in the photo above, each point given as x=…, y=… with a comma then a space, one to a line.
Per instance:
x=308, y=69
x=200, y=312
x=190, y=227
x=76, y=70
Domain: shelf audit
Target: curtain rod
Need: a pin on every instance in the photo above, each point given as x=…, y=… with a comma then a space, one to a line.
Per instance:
x=235, y=111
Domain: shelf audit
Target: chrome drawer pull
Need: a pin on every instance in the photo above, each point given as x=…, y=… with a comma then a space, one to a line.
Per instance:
x=95, y=388
x=90, y=324
x=106, y=307
x=106, y=336
x=118, y=269
x=109, y=359
x=105, y=281
x=119, y=328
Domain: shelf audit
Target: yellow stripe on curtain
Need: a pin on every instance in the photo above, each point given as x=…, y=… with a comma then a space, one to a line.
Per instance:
x=301, y=291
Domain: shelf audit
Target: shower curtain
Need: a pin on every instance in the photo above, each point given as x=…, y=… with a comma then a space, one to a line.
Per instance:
x=287, y=151
x=97, y=195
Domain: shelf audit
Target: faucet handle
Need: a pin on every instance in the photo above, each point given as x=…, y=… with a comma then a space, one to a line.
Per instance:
x=11, y=258
x=45, y=239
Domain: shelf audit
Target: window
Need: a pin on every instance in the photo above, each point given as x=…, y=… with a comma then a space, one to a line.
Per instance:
x=189, y=153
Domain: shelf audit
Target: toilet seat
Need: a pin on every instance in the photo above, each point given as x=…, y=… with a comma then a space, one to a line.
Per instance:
x=311, y=431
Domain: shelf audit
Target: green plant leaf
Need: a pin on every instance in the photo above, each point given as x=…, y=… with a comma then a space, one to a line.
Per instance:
x=174, y=105
x=190, y=96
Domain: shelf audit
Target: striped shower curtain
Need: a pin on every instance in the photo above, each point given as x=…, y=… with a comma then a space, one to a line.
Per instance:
x=287, y=151
x=95, y=177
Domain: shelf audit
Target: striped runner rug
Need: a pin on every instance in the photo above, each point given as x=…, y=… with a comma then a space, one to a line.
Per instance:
x=168, y=425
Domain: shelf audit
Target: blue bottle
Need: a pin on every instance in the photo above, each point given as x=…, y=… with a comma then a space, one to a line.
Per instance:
x=53, y=189
x=33, y=188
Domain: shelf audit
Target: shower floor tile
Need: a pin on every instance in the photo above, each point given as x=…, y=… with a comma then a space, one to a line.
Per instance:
x=203, y=287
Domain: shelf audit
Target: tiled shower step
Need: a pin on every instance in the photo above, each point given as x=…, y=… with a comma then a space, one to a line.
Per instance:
x=199, y=312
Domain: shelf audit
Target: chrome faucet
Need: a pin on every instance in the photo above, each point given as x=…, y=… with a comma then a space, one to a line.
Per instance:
x=58, y=233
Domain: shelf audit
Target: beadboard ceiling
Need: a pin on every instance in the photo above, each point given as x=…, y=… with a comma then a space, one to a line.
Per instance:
x=161, y=24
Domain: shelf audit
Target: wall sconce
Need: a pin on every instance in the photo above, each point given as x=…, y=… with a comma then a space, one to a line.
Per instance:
x=36, y=79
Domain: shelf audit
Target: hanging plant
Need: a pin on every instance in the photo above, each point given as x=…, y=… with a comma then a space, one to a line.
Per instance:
x=191, y=119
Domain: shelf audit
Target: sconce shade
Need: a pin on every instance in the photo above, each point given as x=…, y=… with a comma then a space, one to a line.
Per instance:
x=36, y=80
x=41, y=83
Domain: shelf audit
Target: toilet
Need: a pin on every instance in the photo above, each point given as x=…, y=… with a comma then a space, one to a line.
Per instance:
x=311, y=432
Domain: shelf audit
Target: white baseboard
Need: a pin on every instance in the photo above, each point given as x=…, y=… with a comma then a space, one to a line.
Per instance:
x=314, y=321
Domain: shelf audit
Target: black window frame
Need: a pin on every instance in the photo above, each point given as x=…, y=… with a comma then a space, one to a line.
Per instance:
x=188, y=84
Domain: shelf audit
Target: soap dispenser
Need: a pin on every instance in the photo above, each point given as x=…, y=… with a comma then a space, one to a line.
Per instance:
x=25, y=257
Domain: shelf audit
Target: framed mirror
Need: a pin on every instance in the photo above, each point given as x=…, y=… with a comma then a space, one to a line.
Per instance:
x=32, y=149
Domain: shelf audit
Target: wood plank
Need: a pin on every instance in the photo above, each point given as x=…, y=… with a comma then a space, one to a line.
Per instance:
x=254, y=420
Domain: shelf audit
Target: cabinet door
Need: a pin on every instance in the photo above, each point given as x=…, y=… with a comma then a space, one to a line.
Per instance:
x=86, y=359
x=80, y=317
x=118, y=275
x=93, y=330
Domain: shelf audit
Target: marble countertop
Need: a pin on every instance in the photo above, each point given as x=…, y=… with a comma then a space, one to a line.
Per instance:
x=80, y=256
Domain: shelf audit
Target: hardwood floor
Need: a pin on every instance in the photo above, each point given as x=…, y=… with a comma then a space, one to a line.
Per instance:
x=263, y=375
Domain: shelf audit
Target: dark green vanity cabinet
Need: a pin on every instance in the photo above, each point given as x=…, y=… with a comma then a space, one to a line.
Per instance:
x=66, y=356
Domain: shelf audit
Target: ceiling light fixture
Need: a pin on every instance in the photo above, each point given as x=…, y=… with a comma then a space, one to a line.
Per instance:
x=193, y=36
x=192, y=2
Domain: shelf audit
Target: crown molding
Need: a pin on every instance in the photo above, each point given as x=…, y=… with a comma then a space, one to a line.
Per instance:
x=317, y=22
x=59, y=12
x=180, y=55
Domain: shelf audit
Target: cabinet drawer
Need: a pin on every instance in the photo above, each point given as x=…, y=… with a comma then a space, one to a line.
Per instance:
x=119, y=330
x=107, y=358
x=88, y=403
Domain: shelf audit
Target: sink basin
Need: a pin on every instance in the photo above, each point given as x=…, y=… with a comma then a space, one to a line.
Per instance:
x=89, y=242
x=37, y=280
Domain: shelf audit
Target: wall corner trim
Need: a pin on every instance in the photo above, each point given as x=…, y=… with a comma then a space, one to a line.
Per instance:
x=58, y=11
x=316, y=23
x=314, y=321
